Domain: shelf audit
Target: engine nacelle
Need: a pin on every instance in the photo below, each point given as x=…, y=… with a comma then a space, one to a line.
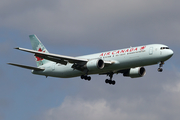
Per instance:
x=136, y=72
x=95, y=64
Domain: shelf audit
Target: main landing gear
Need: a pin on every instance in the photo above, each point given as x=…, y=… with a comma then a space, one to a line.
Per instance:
x=160, y=67
x=110, y=81
x=86, y=77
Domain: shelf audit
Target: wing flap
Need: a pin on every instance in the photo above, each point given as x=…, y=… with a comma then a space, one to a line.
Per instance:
x=27, y=67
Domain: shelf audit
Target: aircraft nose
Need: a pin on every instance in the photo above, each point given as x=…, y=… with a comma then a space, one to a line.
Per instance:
x=170, y=53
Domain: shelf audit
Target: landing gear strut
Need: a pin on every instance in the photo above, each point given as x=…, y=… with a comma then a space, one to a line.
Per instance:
x=110, y=81
x=160, y=67
x=86, y=77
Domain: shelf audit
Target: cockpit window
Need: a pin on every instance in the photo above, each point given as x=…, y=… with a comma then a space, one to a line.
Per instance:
x=164, y=48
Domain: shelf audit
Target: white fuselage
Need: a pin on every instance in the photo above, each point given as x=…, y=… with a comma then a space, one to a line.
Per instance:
x=123, y=59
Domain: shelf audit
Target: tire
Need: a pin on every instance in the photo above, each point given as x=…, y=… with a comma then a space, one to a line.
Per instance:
x=113, y=82
x=106, y=81
x=110, y=82
x=160, y=69
x=89, y=78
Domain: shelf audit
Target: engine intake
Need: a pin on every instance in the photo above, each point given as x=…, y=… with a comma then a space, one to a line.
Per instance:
x=95, y=64
x=135, y=72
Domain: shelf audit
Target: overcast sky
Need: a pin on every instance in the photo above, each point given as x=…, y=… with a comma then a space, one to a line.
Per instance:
x=78, y=27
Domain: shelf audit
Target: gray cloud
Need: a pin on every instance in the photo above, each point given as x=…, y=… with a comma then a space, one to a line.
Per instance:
x=125, y=104
x=113, y=23
x=88, y=110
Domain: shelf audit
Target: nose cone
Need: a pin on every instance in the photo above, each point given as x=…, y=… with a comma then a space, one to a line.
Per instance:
x=169, y=53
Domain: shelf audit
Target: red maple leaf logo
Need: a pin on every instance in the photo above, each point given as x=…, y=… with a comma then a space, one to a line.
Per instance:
x=142, y=48
x=38, y=58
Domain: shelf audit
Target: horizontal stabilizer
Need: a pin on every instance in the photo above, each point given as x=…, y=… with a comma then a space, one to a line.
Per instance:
x=26, y=67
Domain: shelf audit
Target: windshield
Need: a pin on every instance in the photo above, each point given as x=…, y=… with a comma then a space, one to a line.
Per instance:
x=164, y=48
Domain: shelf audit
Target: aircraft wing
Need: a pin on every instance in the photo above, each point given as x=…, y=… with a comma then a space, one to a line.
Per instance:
x=58, y=58
x=54, y=57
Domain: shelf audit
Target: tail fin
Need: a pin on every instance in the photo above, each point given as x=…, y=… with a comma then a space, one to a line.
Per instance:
x=37, y=45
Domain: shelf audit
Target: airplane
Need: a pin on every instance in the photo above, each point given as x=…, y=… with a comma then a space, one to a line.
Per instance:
x=129, y=61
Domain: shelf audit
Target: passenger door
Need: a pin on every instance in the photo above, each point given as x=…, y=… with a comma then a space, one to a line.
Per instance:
x=150, y=50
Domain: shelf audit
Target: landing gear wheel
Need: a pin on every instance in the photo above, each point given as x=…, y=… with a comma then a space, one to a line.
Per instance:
x=110, y=82
x=113, y=82
x=160, y=65
x=86, y=77
x=106, y=81
x=160, y=69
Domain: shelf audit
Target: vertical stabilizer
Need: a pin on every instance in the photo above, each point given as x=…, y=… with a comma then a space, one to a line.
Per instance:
x=38, y=46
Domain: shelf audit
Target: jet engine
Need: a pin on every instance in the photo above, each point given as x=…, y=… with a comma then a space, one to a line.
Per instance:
x=95, y=64
x=135, y=72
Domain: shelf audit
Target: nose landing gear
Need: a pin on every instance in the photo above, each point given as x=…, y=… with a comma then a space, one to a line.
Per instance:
x=160, y=67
